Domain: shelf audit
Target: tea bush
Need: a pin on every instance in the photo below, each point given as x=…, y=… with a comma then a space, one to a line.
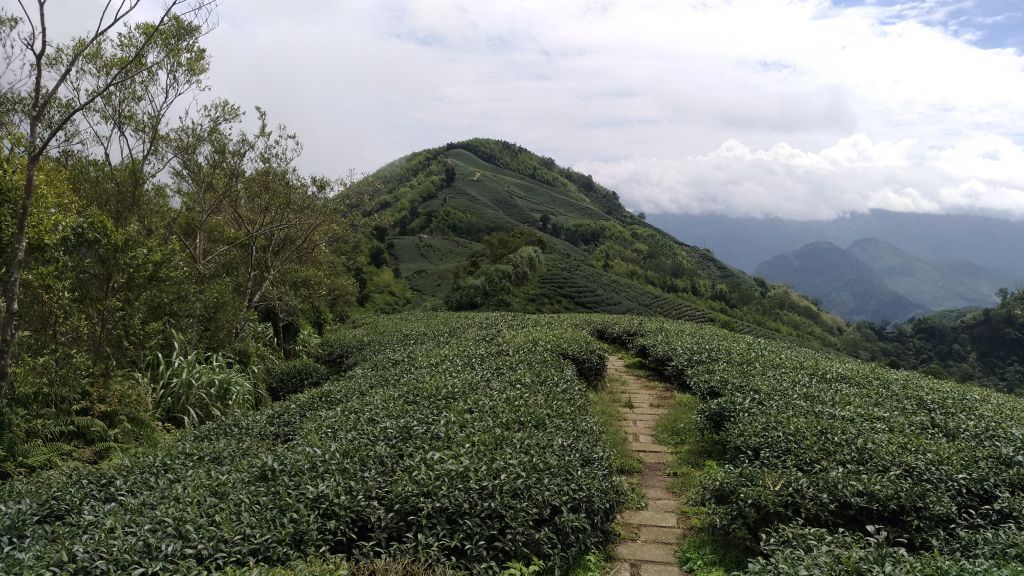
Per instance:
x=294, y=377
x=460, y=440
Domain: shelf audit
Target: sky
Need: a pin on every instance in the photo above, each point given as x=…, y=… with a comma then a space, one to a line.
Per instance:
x=805, y=109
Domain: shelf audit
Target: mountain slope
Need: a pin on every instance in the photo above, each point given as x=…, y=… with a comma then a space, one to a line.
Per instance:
x=846, y=285
x=485, y=224
x=936, y=286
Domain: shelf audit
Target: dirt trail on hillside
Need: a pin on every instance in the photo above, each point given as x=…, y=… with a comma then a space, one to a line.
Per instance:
x=650, y=535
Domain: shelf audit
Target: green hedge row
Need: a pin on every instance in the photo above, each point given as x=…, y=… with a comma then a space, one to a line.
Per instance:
x=464, y=440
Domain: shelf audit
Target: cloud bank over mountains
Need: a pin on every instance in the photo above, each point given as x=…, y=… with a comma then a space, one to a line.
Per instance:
x=799, y=108
x=981, y=175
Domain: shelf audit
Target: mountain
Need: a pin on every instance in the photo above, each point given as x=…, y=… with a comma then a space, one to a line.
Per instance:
x=874, y=280
x=488, y=225
x=937, y=286
x=845, y=285
x=991, y=243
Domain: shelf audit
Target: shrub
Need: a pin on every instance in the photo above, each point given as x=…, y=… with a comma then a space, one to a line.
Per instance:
x=293, y=377
x=340, y=351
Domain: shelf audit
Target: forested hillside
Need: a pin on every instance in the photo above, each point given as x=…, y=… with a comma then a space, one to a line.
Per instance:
x=983, y=346
x=486, y=224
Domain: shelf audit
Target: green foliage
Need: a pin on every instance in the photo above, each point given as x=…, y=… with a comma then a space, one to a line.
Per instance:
x=801, y=550
x=191, y=388
x=493, y=285
x=340, y=567
x=591, y=564
x=502, y=244
x=607, y=411
x=984, y=347
x=307, y=343
x=535, y=567
x=838, y=445
x=385, y=292
x=293, y=377
x=462, y=440
x=340, y=350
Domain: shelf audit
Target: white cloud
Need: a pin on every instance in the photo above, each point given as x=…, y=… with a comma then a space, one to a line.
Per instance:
x=982, y=175
x=619, y=84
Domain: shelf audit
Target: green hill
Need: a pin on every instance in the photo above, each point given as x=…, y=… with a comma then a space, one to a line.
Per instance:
x=981, y=346
x=485, y=224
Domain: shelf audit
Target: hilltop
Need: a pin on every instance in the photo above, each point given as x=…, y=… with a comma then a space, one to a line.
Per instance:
x=486, y=224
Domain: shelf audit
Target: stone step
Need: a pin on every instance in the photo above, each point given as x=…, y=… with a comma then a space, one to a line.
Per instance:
x=629, y=415
x=659, y=534
x=648, y=447
x=646, y=411
x=657, y=493
x=660, y=570
x=647, y=518
x=654, y=456
x=670, y=506
x=646, y=552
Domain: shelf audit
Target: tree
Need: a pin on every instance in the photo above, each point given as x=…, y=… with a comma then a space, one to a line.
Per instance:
x=56, y=85
x=1003, y=294
x=246, y=213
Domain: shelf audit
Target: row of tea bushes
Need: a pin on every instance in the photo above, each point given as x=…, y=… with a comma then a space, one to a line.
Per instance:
x=825, y=442
x=465, y=440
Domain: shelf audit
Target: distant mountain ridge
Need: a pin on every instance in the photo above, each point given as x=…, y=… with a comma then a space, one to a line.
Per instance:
x=874, y=280
x=846, y=285
x=990, y=243
x=939, y=286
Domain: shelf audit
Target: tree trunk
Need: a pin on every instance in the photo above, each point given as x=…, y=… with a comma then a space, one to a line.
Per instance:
x=12, y=289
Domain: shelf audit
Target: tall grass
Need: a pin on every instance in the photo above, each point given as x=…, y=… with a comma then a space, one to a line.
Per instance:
x=190, y=388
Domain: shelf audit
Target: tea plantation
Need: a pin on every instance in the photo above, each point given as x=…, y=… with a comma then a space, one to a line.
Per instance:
x=468, y=441
x=833, y=466
x=465, y=440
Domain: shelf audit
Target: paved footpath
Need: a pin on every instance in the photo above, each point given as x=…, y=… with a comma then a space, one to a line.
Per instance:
x=650, y=536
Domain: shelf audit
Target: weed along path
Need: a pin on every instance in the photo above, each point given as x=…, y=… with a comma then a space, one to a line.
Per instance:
x=650, y=535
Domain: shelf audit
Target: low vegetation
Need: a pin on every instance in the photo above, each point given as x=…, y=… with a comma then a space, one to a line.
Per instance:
x=474, y=442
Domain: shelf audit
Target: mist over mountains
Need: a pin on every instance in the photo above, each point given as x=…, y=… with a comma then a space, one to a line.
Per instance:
x=880, y=266
x=991, y=243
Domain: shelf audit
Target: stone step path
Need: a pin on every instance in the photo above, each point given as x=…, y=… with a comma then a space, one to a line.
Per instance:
x=650, y=536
